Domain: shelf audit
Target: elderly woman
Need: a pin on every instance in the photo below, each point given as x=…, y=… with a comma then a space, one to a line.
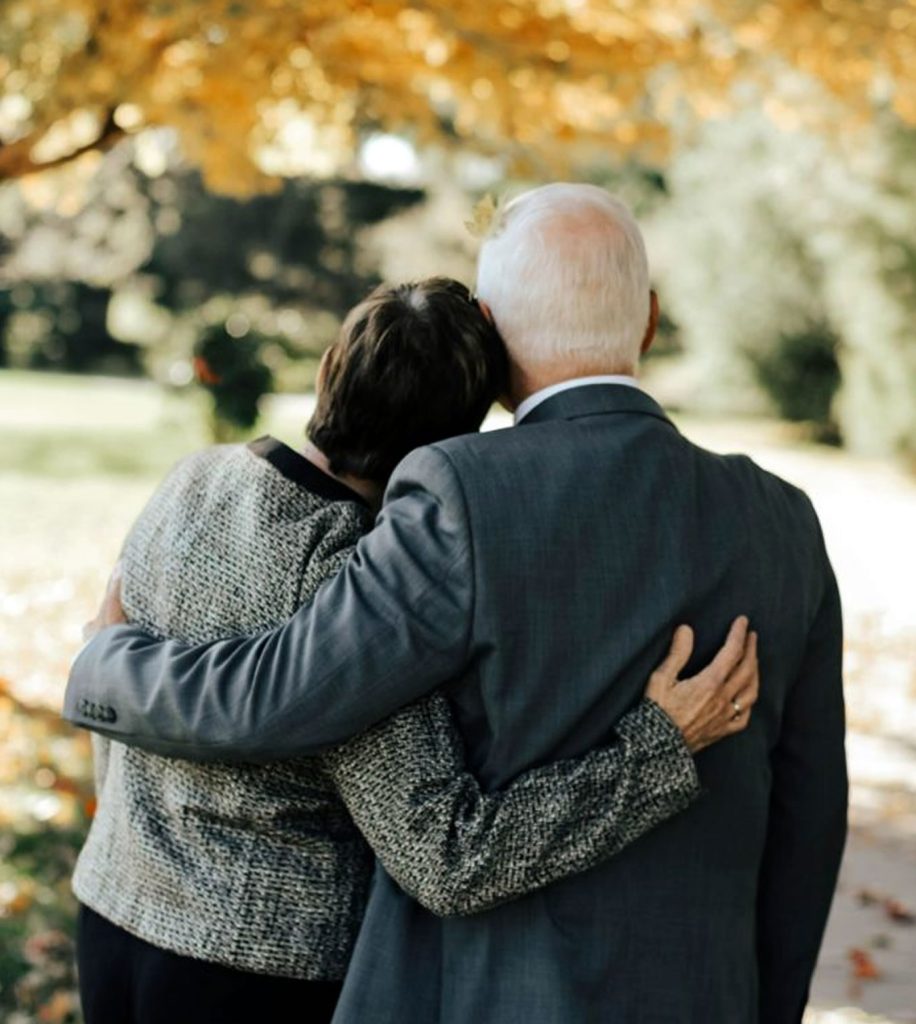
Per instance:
x=223, y=893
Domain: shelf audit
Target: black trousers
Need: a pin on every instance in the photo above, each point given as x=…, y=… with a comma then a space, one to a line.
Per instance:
x=124, y=980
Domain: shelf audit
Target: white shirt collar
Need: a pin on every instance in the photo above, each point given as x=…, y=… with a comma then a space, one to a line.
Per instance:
x=566, y=385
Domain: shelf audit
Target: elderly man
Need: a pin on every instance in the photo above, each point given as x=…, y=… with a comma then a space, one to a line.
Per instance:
x=559, y=552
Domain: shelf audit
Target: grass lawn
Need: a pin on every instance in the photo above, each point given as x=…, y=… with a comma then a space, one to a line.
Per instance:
x=69, y=427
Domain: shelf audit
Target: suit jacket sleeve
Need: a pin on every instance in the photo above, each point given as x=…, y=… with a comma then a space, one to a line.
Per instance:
x=807, y=822
x=458, y=850
x=389, y=628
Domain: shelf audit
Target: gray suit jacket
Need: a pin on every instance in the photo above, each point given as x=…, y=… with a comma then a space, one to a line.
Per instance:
x=560, y=553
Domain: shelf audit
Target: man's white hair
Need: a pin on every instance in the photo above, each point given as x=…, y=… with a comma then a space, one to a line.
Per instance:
x=566, y=275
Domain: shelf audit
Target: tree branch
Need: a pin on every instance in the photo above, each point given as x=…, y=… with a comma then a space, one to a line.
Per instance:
x=16, y=158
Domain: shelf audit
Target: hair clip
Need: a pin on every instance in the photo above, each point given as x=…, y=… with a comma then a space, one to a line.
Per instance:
x=484, y=217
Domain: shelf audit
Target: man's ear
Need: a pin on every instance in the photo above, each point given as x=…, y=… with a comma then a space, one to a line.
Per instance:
x=652, y=325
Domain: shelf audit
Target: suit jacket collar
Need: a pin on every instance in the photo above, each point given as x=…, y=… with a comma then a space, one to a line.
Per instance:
x=596, y=400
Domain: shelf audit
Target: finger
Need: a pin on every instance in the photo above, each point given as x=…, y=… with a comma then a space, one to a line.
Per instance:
x=746, y=671
x=745, y=701
x=111, y=610
x=739, y=708
x=678, y=654
x=113, y=587
x=747, y=698
x=743, y=673
x=730, y=653
x=738, y=724
x=741, y=705
x=750, y=693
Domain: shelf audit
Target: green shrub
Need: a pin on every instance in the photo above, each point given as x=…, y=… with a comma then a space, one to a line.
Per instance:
x=767, y=232
x=801, y=376
x=232, y=370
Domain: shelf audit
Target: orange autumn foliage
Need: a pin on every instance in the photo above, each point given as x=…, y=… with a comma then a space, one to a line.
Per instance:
x=260, y=88
x=862, y=966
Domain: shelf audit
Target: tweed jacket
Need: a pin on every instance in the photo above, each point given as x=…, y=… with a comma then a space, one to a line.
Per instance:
x=264, y=867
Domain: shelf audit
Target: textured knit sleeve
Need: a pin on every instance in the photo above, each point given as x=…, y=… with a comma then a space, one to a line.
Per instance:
x=458, y=850
x=101, y=754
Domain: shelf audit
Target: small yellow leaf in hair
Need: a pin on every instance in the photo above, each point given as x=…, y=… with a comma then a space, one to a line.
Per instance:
x=484, y=214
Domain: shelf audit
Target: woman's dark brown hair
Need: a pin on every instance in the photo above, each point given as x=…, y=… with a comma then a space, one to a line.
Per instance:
x=414, y=364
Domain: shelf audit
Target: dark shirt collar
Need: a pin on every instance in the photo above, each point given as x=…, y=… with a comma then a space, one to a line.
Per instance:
x=299, y=470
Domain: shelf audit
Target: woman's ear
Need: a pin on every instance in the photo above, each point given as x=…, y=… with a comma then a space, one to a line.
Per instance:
x=322, y=370
x=487, y=312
